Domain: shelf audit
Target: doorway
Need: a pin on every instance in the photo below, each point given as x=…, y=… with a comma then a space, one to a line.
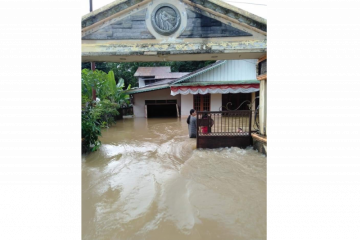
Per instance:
x=161, y=109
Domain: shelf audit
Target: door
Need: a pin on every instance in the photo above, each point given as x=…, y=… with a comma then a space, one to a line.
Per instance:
x=202, y=102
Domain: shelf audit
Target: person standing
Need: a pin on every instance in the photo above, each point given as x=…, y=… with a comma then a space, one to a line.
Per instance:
x=191, y=121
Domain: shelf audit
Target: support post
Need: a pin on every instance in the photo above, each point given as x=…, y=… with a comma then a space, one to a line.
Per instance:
x=263, y=106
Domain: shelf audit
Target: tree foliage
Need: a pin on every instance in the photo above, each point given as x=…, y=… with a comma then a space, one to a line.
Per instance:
x=100, y=113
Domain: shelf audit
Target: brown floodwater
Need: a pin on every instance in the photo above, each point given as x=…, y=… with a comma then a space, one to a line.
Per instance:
x=148, y=181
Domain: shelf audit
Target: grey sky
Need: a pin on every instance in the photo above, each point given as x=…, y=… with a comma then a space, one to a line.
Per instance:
x=253, y=7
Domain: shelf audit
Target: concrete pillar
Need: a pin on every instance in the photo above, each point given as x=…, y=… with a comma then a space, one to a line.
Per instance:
x=262, y=107
x=253, y=96
x=265, y=122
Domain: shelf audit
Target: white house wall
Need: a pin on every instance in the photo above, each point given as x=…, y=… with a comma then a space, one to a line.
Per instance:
x=141, y=82
x=231, y=70
x=186, y=104
x=163, y=94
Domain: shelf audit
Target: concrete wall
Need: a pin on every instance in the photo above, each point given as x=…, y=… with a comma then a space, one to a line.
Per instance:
x=163, y=94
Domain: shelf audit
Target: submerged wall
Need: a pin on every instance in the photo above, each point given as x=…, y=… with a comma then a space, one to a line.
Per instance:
x=259, y=143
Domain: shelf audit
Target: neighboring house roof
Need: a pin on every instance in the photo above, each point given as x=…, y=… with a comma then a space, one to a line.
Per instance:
x=151, y=71
x=158, y=73
x=171, y=75
x=199, y=71
x=147, y=89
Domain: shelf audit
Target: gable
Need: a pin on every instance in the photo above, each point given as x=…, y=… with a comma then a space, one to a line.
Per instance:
x=135, y=27
x=140, y=19
x=131, y=27
x=171, y=30
x=201, y=26
x=108, y=11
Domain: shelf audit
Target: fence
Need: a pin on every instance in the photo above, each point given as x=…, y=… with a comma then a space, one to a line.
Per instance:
x=224, y=129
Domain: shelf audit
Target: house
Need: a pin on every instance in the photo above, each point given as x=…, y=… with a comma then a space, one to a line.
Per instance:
x=223, y=85
x=149, y=75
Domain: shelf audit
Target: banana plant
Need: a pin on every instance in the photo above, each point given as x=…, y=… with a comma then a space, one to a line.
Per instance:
x=121, y=97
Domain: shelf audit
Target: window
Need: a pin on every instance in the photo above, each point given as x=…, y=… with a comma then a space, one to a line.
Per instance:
x=151, y=81
x=202, y=102
x=147, y=82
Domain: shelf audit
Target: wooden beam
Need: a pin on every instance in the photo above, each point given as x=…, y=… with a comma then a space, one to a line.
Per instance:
x=262, y=59
x=259, y=137
x=224, y=16
x=262, y=77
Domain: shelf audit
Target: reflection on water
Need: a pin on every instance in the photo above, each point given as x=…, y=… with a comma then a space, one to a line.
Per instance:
x=148, y=181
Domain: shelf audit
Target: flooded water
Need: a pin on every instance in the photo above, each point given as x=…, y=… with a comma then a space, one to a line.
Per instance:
x=148, y=181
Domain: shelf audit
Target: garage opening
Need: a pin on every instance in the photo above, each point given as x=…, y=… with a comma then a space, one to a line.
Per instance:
x=161, y=108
